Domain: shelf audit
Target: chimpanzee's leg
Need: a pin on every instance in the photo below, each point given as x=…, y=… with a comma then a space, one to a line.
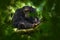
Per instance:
x=25, y=25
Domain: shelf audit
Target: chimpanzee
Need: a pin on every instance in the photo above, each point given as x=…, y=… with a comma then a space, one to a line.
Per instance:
x=25, y=17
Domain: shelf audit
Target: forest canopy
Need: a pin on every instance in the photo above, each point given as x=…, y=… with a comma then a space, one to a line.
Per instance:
x=48, y=11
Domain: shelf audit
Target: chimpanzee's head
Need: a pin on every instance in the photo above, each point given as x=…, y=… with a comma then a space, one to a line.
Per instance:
x=27, y=10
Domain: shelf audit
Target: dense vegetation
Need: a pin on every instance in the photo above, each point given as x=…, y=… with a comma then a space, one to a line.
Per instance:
x=48, y=10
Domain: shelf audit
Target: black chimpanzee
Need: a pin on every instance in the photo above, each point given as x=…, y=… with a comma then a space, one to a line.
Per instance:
x=25, y=17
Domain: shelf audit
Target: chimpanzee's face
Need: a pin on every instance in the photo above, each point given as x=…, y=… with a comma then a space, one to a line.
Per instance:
x=26, y=11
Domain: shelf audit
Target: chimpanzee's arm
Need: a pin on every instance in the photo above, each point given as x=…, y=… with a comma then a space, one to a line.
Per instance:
x=17, y=17
x=35, y=17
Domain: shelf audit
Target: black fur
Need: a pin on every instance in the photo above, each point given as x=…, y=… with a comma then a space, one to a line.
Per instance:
x=19, y=17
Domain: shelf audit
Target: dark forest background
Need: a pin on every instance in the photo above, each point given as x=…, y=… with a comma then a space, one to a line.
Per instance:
x=48, y=10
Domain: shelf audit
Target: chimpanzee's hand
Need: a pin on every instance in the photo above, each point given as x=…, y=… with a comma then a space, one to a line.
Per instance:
x=21, y=25
x=35, y=24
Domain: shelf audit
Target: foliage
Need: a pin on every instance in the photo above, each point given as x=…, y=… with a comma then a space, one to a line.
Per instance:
x=48, y=11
